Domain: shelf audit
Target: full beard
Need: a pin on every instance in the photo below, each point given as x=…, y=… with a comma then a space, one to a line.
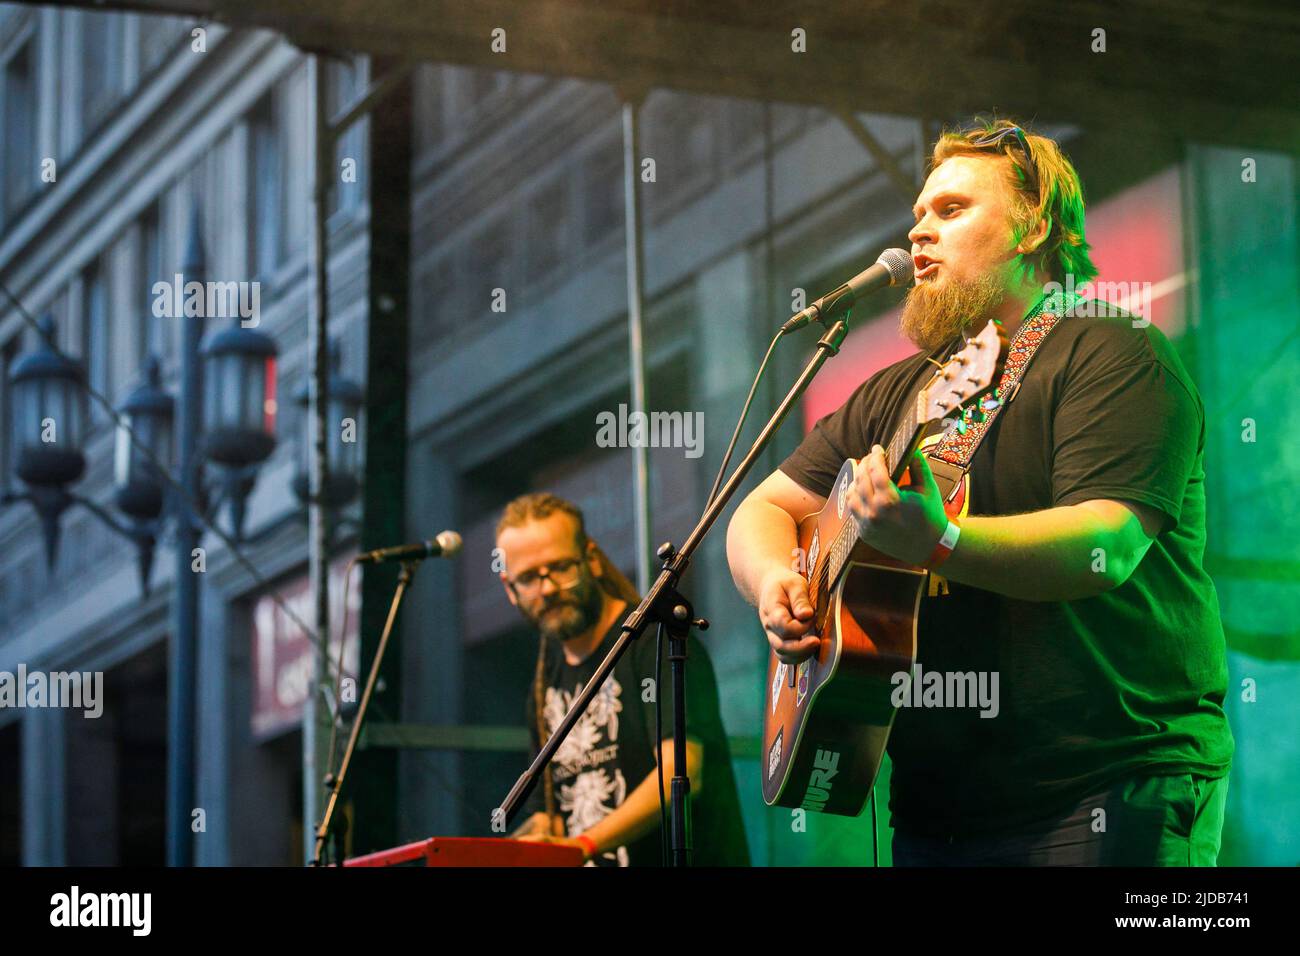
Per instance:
x=571, y=614
x=935, y=314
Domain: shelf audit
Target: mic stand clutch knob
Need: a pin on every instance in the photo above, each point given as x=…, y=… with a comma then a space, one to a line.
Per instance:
x=683, y=613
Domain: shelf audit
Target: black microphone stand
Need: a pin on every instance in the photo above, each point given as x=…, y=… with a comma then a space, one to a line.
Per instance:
x=335, y=781
x=665, y=605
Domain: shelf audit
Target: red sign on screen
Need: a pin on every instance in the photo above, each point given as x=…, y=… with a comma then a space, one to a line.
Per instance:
x=284, y=658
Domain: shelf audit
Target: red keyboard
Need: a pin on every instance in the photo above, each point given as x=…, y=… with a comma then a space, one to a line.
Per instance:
x=472, y=851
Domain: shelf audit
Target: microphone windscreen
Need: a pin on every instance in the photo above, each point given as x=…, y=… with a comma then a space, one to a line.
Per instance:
x=450, y=543
x=899, y=264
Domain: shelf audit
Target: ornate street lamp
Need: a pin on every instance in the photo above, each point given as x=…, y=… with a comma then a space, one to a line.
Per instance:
x=140, y=467
x=148, y=413
x=235, y=372
x=49, y=414
x=343, y=399
x=239, y=396
x=48, y=430
x=239, y=408
x=49, y=425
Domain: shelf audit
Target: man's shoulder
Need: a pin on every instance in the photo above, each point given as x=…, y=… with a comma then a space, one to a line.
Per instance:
x=1097, y=338
x=1105, y=315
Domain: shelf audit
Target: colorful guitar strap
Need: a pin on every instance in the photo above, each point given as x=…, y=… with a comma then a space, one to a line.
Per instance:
x=958, y=446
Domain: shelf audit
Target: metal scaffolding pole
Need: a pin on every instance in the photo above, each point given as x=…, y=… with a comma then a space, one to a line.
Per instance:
x=636, y=348
x=181, y=677
x=316, y=718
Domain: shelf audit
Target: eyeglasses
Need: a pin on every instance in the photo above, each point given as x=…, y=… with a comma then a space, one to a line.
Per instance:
x=564, y=574
x=1004, y=136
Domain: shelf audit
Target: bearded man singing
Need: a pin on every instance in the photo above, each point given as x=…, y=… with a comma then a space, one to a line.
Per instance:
x=1076, y=575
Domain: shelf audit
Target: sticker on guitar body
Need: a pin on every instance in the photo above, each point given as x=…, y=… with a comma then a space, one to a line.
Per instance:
x=825, y=766
x=774, y=755
x=805, y=670
x=814, y=550
x=777, y=680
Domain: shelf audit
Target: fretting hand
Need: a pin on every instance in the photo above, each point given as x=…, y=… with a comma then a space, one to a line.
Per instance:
x=903, y=523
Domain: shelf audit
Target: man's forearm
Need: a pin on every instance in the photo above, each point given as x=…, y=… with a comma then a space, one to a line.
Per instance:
x=1059, y=554
x=638, y=814
x=760, y=537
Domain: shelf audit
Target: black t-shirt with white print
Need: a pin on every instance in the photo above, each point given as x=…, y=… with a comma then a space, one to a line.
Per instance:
x=610, y=750
x=1090, y=690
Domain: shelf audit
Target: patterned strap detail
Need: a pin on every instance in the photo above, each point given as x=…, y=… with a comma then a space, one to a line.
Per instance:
x=959, y=444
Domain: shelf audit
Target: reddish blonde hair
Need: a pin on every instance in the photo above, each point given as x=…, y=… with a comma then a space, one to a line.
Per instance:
x=1053, y=191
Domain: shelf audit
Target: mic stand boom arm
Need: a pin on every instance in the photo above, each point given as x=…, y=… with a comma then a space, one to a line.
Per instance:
x=665, y=605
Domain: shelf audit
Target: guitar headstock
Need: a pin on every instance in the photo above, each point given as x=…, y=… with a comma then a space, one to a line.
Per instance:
x=966, y=376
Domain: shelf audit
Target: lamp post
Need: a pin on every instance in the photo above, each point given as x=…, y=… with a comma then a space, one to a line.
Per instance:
x=181, y=676
x=238, y=366
x=231, y=422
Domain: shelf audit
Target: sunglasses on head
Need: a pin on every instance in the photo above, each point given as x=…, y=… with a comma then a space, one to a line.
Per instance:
x=1012, y=136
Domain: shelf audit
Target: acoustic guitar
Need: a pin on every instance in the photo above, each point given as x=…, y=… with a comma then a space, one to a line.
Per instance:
x=826, y=721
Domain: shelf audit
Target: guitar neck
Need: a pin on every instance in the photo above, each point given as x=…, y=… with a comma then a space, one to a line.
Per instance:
x=960, y=381
x=906, y=439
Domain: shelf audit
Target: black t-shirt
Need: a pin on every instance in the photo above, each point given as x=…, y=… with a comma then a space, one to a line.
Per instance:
x=610, y=750
x=1093, y=689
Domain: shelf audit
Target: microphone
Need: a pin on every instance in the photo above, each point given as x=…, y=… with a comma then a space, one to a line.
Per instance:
x=892, y=268
x=446, y=545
